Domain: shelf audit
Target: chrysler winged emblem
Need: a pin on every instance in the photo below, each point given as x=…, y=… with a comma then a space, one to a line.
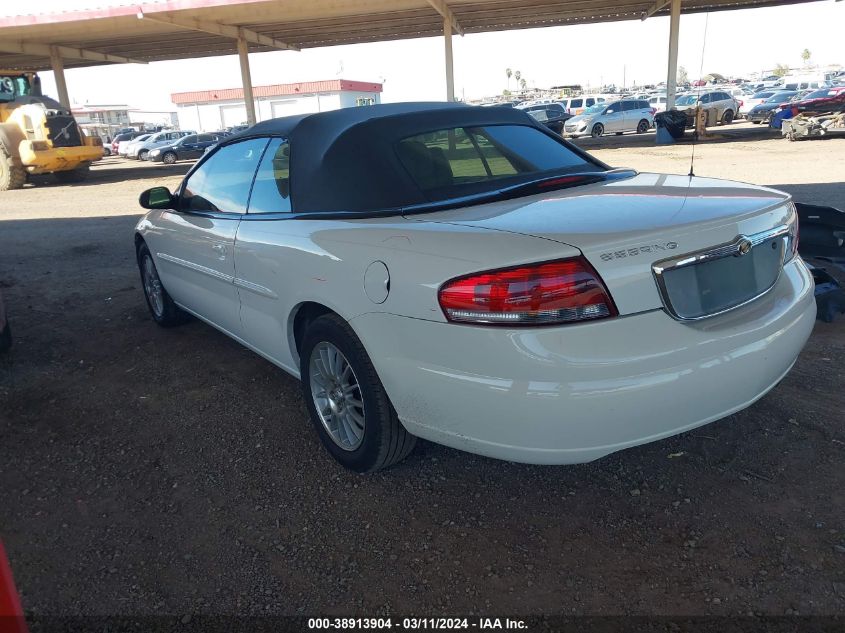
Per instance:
x=743, y=247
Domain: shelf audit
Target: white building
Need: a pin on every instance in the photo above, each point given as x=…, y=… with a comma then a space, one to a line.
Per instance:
x=210, y=110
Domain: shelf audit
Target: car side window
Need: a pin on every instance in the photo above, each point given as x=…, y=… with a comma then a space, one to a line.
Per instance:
x=271, y=190
x=705, y=98
x=201, y=138
x=189, y=139
x=591, y=102
x=576, y=103
x=222, y=182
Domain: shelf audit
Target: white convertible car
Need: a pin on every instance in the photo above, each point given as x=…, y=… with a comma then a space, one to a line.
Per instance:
x=466, y=276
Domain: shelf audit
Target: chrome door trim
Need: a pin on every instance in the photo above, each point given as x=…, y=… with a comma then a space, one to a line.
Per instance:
x=258, y=289
x=738, y=247
x=196, y=267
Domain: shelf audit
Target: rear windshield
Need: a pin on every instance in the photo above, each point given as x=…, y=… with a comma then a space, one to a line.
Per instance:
x=466, y=160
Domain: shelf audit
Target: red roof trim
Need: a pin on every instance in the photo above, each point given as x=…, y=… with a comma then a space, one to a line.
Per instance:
x=276, y=90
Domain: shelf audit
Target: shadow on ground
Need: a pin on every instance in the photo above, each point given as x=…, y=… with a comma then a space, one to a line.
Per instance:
x=171, y=471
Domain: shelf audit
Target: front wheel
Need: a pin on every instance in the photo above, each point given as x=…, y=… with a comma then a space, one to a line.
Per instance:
x=11, y=176
x=346, y=401
x=162, y=308
x=643, y=126
x=597, y=131
x=169, y=158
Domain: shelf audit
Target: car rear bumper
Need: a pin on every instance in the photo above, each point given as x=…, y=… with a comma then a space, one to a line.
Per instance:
x=575, y=393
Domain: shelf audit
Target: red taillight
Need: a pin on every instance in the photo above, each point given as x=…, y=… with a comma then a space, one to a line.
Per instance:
x=563, y=291
x=653, y=111
x=740, y=102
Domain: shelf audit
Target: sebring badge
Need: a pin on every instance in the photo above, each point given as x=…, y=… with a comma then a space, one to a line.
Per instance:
x=633, y=252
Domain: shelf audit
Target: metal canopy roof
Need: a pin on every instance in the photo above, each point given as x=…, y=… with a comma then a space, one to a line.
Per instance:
x=155, y=30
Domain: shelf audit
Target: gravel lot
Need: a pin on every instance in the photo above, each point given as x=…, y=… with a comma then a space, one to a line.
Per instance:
x=152, y=471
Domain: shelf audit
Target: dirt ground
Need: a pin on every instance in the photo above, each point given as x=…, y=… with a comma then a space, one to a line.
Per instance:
x=153, y=471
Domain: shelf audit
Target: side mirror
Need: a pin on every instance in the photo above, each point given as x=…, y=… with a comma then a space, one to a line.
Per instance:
x=157, y=198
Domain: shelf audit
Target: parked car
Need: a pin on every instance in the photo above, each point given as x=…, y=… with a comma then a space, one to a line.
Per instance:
x=756, y=99
x=657, y=102
x=124, y=147
x=159, y=139
x=188, y=147
x=552, y=118
x=828, y=100
x=122, y=137
x=627, y=115
x=590, y=309
x=763, y=112
x=577, y=105
x=719, y=106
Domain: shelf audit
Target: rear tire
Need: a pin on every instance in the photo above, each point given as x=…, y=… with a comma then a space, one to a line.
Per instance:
x=643, y=126
x=11, y=176
x=162, y=308
x=597, y=131
x=375, y=438
x=728, y=117
x=169, y=158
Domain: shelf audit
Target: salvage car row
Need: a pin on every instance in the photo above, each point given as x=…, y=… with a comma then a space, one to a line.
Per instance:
x=167, y=146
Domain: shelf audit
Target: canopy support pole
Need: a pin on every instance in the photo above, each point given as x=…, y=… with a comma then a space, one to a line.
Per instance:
x=246, y=80
x=450, y=69
x=672, y=76
x=59, y=72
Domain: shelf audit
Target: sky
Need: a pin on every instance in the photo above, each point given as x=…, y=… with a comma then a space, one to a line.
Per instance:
x=737, y=43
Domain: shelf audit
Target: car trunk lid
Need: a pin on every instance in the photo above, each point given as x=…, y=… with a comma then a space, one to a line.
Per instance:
x=625, y=227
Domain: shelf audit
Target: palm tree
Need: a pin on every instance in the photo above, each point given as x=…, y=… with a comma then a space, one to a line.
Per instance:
x=509, y=72
x=517, y=75
x=522, y=84
x=805, y=55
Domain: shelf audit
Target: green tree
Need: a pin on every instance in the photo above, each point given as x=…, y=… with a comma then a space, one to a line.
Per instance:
x=522, y=83
x=781, y=70
x=683, y=77
x=806, y=55
x=509, y=73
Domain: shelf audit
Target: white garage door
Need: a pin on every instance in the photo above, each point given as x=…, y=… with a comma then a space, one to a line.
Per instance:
x=233, y=115
x=289, y=107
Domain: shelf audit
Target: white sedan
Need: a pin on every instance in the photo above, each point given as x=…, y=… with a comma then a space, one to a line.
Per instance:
x=466, y=276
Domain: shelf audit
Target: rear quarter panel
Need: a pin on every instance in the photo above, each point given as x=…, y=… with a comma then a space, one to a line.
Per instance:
x=282, y=264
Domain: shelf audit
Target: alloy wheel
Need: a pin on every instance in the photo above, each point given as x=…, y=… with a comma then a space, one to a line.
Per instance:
x=337, y=396
x=152, y=286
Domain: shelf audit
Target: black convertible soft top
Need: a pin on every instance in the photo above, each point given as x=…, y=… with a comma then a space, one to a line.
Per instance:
x=345, y=160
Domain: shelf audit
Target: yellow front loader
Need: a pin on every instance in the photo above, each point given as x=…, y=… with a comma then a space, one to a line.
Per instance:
x=38, y=135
